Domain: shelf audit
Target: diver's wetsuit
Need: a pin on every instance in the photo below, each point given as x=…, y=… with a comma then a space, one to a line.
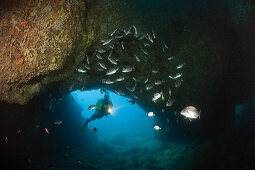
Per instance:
x=102, y=107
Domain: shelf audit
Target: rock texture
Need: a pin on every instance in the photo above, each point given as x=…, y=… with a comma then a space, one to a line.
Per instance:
x=38, y=38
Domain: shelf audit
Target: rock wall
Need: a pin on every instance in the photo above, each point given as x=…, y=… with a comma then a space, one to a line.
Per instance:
x=38, y=38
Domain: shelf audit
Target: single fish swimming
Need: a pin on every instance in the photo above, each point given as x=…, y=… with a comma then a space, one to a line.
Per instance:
x=81, y=70
x=176, y=76
x=91, y=107
x=87, y=67
x=190, y=112
x=150, y=114
x=107, y=81
x=99, y=56
x=137, y=58
x=120, y=78
x=156, y=96
x=58, y=122
x=145, y=52
x=102, y=65
x=127, y=69
x=156, y=127
x=112, y=71
x=179, y=66
x=112, y=60
x=100, y=50
x=158, y=82
x=153, y=34
x=107, y=41
x=120, y=92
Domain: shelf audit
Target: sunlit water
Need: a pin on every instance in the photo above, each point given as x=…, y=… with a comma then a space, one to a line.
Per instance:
x=126, y=121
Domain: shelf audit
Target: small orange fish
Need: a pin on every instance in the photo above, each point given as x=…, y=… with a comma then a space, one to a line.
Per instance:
x=47, y=130
x=11, y=44
x=6, y=140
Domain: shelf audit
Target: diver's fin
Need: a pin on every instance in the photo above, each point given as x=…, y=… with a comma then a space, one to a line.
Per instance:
x=84, y=127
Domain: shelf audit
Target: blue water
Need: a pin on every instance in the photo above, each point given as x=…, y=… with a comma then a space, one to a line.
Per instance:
x=126, y=119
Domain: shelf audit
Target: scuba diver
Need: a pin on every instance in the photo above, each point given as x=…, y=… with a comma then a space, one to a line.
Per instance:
x=103, y=108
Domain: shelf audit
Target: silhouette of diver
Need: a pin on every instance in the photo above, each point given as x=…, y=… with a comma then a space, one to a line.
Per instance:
x=103, y=108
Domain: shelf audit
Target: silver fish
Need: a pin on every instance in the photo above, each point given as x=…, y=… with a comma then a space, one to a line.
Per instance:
x=87, y=67
x=102, y=65
x=149, y=86
x=88, y=62
x=128, y=31
x=91, y=107
x=135, y=96
x=165, y=45
x=147, y=79
x=58, y=122
x=153, y=34
x=162, y=110
x=122, y=45
x=100, y=50
x=154, y=71
x=120, y=78
x=135, y=29
x=149, y=38
x=120, y=92
x=156, y=96
x=113, y=32
x=162, y=96
x=107, y=81
x=163, y=49
x=158, y=82
x=145, y=52
x=112, y=60
x=111, y=71
x=190, y=112
x=107, y=41
x=99, y=56
x=127, y=69
x=118, y=36
x=179, y=66
x=81, y=70
x=156, y=127
x=170, y=58
x=169, y=92
x=111, y=46
x=176, y=76
x=150, y=114
x=134, y=79
x=137, y=58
